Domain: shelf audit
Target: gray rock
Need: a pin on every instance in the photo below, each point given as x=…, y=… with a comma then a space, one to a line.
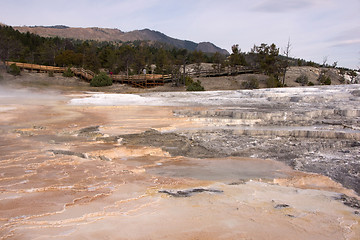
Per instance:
x=349, y=201
x=69, y=153
x=281, y=206
x=189, y=192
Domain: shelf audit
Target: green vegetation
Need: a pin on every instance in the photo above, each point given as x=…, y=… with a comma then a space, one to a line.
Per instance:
x=14, y=70
x=310, y=84
x=237, y=58
x=353, y=75
x=68, y=73
x=324, y=80
x=218, y=62
x=302, y=79
x=273, y=82
x=68, y=58
x=193, y=86
x=188, y=80
x=267, y=59
x=101, y=80
x=252, y=83
x=342, y=79
x=131, y=58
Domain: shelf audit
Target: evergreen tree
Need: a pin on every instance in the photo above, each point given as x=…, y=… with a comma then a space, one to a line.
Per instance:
x=267, y=59
x=236, y=58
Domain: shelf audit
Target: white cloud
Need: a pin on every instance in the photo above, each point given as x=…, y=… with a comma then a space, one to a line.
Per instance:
x=282, y=5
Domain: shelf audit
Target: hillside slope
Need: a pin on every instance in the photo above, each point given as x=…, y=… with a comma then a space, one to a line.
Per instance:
x=108, y=34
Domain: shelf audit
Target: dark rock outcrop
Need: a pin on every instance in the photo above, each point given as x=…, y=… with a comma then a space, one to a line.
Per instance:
x=189, y=192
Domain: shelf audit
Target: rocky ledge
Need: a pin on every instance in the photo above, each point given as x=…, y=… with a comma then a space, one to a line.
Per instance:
x=312, y=129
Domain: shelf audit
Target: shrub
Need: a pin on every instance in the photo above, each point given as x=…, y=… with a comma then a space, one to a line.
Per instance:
x=310, y=84
x=342, y=80
x=188, y=81
x=101, y=80
x=195, y=86
x=51, y=74
x=14, y=70
x=252, y=83
x=68, y=73
x=272, y=82
x=327, y=81
x=302, y=79
x=324, y=80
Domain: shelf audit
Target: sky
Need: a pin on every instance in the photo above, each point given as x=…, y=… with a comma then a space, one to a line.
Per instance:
x=317, y=29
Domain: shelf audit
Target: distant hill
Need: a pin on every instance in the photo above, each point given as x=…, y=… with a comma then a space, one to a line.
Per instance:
x=108, y=34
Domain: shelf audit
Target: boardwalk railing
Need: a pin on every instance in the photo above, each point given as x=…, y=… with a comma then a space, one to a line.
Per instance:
x=36, y=67
x=226, y=72
x=141, y=80
x=83, y=73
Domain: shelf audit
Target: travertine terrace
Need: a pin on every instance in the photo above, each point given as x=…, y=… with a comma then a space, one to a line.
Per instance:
x=262, y=164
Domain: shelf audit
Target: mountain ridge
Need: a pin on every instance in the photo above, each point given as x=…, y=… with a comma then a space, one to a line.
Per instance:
x=114, y=34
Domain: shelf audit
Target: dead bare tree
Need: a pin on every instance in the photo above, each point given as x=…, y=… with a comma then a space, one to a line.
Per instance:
x=325, y=59
x=286, y=61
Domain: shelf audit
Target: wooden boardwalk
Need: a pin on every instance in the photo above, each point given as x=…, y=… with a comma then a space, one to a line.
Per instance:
x=36, y=67
x=140, y=81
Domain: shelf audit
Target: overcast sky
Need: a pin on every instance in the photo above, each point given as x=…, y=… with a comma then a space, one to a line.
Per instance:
x=316, y=28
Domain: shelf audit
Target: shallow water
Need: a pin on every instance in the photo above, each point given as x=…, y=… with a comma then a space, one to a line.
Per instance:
x=223, y=170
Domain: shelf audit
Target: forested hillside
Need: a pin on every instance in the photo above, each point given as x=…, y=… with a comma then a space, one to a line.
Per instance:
x=133, y=57
x=115, y=35
x=129, y=57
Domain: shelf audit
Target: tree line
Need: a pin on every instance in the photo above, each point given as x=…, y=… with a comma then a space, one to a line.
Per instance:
x=129, y=57
x=133, y=57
